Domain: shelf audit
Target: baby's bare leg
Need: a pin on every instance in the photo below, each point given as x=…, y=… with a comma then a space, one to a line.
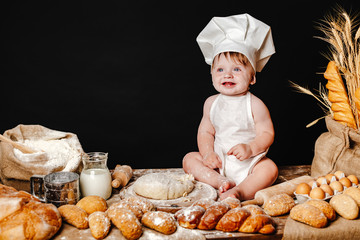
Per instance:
x=192, y=164
x=262, y=176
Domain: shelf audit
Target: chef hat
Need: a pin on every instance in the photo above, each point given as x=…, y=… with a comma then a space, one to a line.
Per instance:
x=239, y=33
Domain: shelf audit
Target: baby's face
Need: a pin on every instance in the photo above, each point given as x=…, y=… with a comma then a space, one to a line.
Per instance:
x=231, y=78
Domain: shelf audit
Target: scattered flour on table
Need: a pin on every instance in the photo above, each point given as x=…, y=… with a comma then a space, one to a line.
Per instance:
x=52, y=154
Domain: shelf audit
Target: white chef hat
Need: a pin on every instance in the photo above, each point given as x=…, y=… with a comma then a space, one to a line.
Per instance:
x=239, y=33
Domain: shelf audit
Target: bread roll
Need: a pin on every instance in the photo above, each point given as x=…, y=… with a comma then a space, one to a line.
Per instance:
x=204, y=202
x=233, y=202
x=279, y=204
x=233, y=219
x=99, y=224
x=308, y=214
x=258, y=223
x=212, y=215
x=345, y=206
x=162, y=222
x=255, y=209
x=189, y=217
x=74, y=215
x=127, y=223
x=124, y=204
x=92, y=204
x=144, y=204
x=354, y=193
x=325, y=207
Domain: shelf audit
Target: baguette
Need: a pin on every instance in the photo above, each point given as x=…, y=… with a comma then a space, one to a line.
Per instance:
x=338, y=97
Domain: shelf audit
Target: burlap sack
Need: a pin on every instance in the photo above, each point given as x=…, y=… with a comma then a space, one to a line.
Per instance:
x=17, y=168
x=337, y=149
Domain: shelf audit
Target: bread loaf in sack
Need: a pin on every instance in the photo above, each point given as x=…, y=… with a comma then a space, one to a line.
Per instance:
x=24, y=217
x=16, y=167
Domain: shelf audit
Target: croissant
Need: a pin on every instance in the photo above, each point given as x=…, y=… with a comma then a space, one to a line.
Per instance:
x=338, y=97
x=220, y=216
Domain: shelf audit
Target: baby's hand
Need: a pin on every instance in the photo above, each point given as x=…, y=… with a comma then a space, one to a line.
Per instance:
x=241, y=151
x=212, y=160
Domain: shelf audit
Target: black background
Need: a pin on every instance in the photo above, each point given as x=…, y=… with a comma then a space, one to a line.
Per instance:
x=128, y=76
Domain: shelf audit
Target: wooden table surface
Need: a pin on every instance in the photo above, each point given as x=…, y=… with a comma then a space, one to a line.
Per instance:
x=285, y=173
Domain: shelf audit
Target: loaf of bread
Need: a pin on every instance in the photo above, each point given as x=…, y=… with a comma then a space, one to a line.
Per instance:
x=233, y=202
x=212, y=215
x=309, y=214
x=126, y=221
x=204, y=202
x=92, y=204
x=189, y=217
x=345, y=206
x=162, y=222
x=74, y=215
x=279, y=204
x=325, y=207
x=144, y=204
x=99, y=224
x=221, y=216
x=233, y=219
x=125, y=204
x=23, y=217
x=354, y=193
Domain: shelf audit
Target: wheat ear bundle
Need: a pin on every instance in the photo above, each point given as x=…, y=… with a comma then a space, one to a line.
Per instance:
x=343, y=72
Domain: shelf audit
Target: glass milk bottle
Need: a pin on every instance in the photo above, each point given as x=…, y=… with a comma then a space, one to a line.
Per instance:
x=95, y=178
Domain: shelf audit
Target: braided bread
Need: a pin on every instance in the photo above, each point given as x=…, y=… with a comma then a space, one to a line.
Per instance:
x=220, y=216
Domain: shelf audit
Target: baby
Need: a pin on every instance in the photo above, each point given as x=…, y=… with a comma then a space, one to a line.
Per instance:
x=236, y=130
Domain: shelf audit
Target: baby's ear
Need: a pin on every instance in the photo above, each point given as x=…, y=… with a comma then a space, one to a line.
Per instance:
x=253, y=80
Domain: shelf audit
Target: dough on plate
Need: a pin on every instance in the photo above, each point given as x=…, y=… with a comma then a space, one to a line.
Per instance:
x=164, y=186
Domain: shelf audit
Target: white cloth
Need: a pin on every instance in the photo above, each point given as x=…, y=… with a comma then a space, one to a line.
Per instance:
x=238, y=33
x=232, y=119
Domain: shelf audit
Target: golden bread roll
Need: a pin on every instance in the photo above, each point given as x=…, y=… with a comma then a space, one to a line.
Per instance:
x=325, y=207
x=309, y=214
x=126, y=221
x=74, y=215
x=189, y=217
x=212, y=215
x=279, y=204
x=233, y=219
x=92, y=204
x=162, y=222
x=99, y=224
x=204, y=202
x=144, y=204
x=233, y=202
x=125, y=204
x=354, y=193
x=255, y=209
x=258, y=222
x=345, y=206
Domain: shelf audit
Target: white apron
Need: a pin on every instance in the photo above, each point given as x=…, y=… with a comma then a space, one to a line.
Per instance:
x=232, y=119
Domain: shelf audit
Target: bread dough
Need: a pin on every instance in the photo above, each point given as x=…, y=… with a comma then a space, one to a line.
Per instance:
x=164, y=186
